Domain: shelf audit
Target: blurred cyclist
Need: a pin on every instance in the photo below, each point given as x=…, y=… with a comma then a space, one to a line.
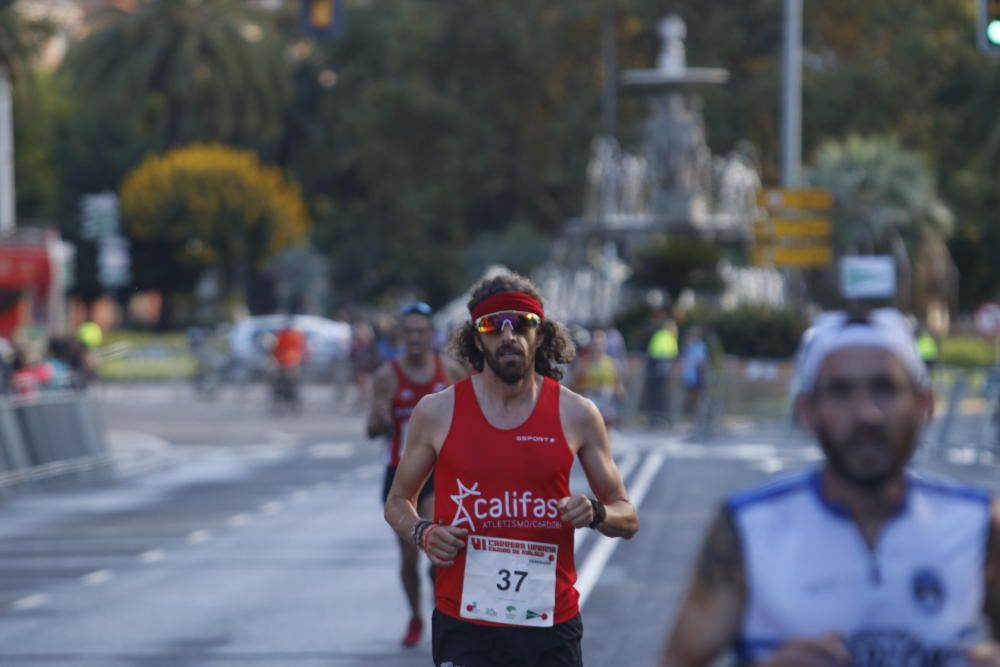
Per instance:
x=289, y=353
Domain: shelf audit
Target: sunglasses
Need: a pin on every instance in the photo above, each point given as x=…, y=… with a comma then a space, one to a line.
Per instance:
x=416, y=308
x=518, y=322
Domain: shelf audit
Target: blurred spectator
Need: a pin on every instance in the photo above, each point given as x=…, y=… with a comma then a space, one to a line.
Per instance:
x=364, y=358
x=58, y=360
x=83, y=363
x=927, y=346
x=90, y=334
x=597, y=376
x=30, y=375
x=661, y=352
x=694, y=369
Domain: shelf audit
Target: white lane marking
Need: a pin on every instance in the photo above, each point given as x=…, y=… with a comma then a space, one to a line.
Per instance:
x=631, y=460
x=272, y=507
x=96, y=577
x=332, y=450
x=598, y=557
x=152, y=556
x=198, y=536
x=370, y=471
x=769, y=465
x=239, y=520
x=739, y=452
x=30, y=602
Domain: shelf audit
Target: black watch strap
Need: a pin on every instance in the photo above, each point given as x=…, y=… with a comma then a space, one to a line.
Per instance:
x=600, y=513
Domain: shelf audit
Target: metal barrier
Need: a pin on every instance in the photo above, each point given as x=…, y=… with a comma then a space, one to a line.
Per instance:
x=735, y=388
x=50, y=435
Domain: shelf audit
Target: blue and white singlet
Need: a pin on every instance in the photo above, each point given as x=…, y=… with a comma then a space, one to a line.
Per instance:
x=915, y=599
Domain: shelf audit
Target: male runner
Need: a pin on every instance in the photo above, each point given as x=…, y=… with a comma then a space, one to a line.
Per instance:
x=397, y=387
x=501, y=445
x=861, y=561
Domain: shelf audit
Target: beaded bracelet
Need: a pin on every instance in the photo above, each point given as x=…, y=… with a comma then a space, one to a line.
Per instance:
x=417, y=533
x=427, y=536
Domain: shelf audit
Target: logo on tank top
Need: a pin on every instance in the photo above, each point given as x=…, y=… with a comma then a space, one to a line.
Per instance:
x=406, y=394
x=890, y=648
x=534, y=438
x=928, y=590
x=514, y=509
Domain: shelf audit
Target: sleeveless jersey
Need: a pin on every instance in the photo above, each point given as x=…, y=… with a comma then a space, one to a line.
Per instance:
x=502, y=485
x=915, y=598
x=408, y=394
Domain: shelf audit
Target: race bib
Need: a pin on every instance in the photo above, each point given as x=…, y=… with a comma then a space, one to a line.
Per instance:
x=510, y=581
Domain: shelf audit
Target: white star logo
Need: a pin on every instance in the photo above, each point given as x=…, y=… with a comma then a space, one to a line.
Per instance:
x=462, y=514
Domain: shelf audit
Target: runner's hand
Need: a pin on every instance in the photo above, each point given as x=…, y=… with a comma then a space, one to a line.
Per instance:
x=985, y=654
x=825, y=651
x=576, y=510
x=443, y=543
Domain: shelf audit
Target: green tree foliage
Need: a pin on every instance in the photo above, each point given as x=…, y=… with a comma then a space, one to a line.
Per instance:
x=447, y=121
x=756, y=331
x=886, y=202
x=185, y=70
x=881, y=191
x=520, y=247
x=677, y=263
x=208, y=204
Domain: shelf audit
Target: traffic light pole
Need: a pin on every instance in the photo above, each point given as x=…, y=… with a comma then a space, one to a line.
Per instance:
x=6, y=155
x=791, y=93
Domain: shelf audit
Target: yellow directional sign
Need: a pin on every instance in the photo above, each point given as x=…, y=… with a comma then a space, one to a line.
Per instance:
x=792, y=228
x=786, y=198
x=793, y=256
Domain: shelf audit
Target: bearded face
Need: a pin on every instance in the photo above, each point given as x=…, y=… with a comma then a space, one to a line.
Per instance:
x=866, y=414
x=509, y=363
x=510, y=355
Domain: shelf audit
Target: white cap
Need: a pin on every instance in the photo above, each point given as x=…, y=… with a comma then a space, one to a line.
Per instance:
x=885, y=328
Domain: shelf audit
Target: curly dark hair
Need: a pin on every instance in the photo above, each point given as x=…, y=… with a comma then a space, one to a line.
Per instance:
x=557, y=347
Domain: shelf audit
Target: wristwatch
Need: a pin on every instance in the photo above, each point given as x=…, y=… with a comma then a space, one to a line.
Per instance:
x=600, y=513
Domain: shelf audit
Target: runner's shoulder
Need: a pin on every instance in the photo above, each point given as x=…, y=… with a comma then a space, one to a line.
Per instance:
x=577, y=410
x=384, y=377
x=436, y=406
x=454, y=370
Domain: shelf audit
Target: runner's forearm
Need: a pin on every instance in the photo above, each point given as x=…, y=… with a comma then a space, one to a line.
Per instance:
x=401, y=515
x=621, y=520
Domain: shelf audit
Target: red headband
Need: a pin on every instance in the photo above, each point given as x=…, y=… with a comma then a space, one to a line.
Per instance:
x=504, y=301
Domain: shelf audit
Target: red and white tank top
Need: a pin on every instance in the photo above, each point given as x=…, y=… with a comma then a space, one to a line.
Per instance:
x=502, y=485
x=408, y=394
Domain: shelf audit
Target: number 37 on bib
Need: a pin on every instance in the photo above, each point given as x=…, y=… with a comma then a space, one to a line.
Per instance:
x=510, y=581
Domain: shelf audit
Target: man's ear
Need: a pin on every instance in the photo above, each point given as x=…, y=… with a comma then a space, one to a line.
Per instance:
x=478, y=343
x=805, y=410
x=926, y=403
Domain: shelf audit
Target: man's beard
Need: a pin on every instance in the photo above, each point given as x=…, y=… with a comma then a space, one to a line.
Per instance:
x=837, y=455
x=509, y=373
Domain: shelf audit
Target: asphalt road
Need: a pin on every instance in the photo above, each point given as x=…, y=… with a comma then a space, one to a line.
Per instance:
x=252, y=539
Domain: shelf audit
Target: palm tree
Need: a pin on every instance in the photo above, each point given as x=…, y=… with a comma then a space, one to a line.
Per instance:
x=886, y=202
x=188, y=69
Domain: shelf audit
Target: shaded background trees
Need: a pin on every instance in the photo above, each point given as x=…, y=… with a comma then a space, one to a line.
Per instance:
x=424, y=131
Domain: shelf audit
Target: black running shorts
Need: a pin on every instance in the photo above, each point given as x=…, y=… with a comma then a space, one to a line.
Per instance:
x=456, y=643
